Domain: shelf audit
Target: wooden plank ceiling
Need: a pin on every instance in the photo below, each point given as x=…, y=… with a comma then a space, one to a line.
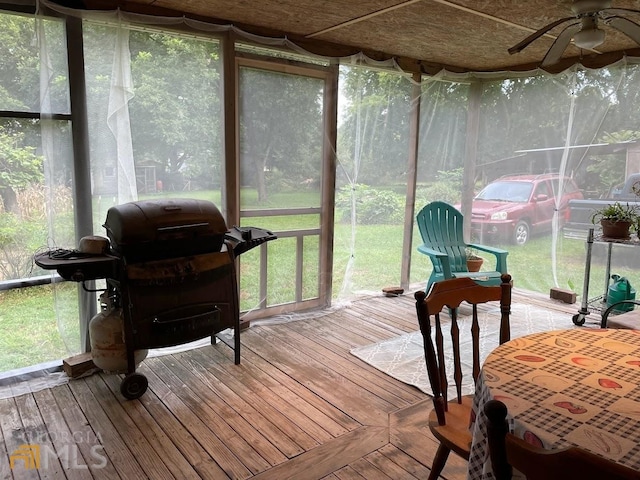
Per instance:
x=425, y=35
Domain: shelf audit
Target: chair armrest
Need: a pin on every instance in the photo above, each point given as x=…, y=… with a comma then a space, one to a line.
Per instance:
x=500, y=254
x=435, y=255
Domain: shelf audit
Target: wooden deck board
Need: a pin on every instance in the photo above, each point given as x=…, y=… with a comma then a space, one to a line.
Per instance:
x=192, y=438
x=256, y=403
x=299, y=406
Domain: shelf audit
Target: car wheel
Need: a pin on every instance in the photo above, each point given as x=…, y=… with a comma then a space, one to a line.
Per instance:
x=521, y=233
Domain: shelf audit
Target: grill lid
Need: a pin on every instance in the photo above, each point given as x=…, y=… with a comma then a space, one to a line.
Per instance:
x=165, y=228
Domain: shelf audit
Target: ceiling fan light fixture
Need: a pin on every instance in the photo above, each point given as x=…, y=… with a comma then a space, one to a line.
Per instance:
x=589, y=38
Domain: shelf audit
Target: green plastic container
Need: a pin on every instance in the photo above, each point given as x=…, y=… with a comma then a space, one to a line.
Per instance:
x=619, y=291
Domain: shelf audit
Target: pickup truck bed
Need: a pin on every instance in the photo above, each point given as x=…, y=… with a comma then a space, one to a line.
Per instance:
x=581, y=211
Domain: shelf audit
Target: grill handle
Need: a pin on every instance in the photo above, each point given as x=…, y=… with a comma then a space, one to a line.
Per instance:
x=177, y=228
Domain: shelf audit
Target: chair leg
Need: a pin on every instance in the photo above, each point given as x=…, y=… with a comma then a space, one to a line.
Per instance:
x=439, y=462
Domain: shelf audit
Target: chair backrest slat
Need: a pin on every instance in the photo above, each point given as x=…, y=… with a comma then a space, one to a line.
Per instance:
x=440, y=226
x=442, y=372
x=475, y=342
x=450, y=294
x=457, y=360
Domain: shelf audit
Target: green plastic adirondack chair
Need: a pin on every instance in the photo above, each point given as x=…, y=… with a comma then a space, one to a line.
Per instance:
x=440, y=226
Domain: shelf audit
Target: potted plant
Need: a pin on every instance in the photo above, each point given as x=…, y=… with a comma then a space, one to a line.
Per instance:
x=616, y=219
x=474, y=262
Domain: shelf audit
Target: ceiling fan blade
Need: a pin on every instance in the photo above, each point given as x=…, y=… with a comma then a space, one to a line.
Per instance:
x=534, y=36
x=618, y=11
x=560, y=44
x=626, y=26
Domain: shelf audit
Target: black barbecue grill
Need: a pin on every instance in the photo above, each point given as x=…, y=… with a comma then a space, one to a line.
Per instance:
x=170, y=266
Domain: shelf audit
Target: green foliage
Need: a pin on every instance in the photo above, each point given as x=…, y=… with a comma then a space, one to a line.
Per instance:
x=32, y=333
x=373, y=137
x=447, y=187
x=19, y=165
x=19, y=239
x=610, y=169
x=373, y=206
x=617, y=212
x=280, y=134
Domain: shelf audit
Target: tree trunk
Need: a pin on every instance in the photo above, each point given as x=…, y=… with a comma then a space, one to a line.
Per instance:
x=261, y=181
x=10, y=200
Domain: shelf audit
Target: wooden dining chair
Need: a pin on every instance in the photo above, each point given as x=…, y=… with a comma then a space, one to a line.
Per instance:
x=508, y=452
x=449, y=420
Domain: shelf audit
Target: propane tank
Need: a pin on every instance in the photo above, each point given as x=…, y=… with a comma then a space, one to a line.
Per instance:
x=106, y=334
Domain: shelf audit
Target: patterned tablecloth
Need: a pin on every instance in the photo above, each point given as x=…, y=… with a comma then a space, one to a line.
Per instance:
x=565, y=387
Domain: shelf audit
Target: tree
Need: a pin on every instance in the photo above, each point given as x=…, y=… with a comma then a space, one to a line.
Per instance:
x=281, y=129
x=19, y=167
x=175, y=110
x=374, y=133
x=175, y=113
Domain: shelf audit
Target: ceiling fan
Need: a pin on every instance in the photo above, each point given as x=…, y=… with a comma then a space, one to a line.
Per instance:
x=583, y=28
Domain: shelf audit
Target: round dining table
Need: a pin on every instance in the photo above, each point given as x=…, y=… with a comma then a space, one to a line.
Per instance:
x=575, y=387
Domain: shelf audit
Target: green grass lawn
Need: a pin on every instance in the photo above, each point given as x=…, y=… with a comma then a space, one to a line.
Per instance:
x=31, y=333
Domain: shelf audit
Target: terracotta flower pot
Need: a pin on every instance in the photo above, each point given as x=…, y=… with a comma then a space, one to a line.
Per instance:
x=474, y=264
x=613, y=229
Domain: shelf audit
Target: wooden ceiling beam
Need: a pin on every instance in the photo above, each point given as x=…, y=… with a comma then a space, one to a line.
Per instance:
x=364, y=17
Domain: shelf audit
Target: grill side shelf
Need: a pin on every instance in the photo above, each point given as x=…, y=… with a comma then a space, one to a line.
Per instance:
x=79, y=268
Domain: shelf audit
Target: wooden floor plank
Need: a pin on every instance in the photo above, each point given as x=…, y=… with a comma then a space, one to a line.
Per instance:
x=158, y=439
x=62, y=440
x=232, y=452
x=408, y=463
x=368, y=470
x=320, y=419
x=388, y=467
x=364, y=407
x=116, y=447
x=137, y=442
x=335, y=342
x=328, y=359
x=250, y=424
x=86, y=438
x=182, y=438
x=299, y=405
x=337, y=422
x=348, y=473
x=5, y=469
x=37, y=436
x=16, y=437
x=204, y=450
x=256, y=399
x=331, y=456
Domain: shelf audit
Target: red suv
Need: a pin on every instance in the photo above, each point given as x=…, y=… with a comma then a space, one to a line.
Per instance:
x=513, y=208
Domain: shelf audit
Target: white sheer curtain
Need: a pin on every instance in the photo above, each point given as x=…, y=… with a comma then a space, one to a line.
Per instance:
x=529, y=122
x=120, y=93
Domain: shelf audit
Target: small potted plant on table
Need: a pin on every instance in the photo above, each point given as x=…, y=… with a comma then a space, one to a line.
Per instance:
x=616, y=219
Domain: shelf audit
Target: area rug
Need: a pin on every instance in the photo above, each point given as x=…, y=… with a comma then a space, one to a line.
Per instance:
x=403, y=357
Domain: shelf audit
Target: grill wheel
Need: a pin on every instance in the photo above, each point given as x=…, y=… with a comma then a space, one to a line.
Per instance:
x=134, y=385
